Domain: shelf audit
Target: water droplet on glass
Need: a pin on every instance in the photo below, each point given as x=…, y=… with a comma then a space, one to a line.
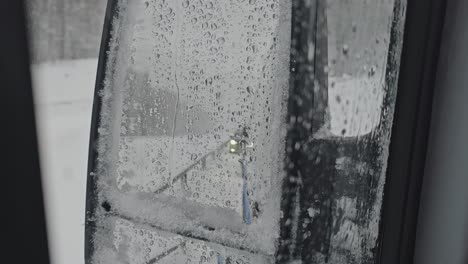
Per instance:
x=345, y=49
x=220, y=40
x=371, y=71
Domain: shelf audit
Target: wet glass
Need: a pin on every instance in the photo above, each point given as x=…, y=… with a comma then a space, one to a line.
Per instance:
x=243, y=131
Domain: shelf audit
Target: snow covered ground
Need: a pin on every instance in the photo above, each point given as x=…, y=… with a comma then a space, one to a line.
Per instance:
x=63, y=95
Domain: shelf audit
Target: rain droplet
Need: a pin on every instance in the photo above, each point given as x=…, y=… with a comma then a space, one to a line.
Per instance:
x=220, y=40
x=345, y=49
x=209, y=5
x=371, y=71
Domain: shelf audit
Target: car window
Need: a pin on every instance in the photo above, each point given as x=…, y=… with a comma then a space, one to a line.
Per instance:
x=243, y=131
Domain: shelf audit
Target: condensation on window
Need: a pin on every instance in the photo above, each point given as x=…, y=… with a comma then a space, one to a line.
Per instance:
x=244, y=131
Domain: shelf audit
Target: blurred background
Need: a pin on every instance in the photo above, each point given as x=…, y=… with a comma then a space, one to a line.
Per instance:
x=64, y=36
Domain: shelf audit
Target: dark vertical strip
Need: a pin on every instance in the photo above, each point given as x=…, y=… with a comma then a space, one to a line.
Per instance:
x=306, y=115
x=317, y=189
x=301, y=13
x=91, y=191
x=320, y=62
x=23, y=209
x=442, y=235
x=421, y=42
